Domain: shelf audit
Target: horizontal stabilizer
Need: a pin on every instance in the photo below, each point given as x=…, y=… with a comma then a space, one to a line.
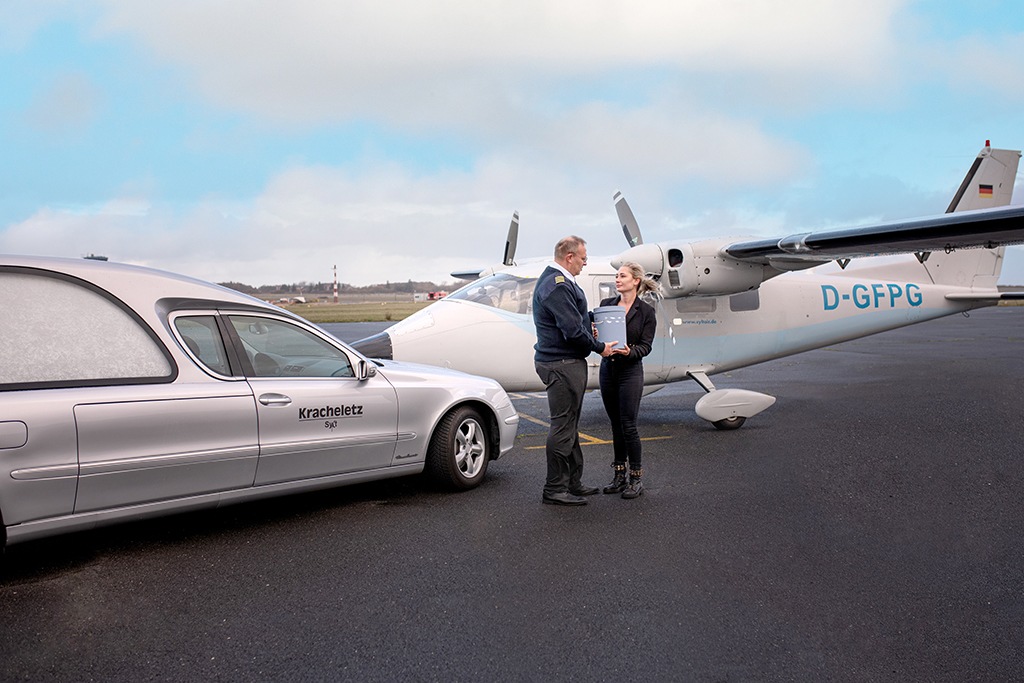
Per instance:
x=986, y=296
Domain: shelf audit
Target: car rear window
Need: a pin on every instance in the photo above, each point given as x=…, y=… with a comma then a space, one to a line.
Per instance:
x=59, y=332
x=202, y=338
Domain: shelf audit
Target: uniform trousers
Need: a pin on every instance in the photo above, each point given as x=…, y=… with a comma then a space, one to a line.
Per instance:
x=566, y=382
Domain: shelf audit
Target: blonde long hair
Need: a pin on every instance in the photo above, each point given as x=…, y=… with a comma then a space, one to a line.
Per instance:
x=647, y=288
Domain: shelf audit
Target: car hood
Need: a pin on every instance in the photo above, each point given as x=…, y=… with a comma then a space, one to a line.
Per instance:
x=400, y=373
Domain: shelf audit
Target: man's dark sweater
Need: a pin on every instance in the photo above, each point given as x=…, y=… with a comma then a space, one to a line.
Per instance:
x=562, y=319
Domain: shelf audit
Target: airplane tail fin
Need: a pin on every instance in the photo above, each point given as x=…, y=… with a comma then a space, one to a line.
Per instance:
x=987, y=185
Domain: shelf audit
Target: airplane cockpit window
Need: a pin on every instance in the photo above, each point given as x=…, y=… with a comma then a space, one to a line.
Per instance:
x=501, y=290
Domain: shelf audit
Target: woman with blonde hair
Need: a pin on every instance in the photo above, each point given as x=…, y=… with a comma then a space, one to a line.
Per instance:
x=622, y=376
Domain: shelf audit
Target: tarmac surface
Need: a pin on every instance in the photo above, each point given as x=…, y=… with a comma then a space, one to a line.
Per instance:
x=868, y=526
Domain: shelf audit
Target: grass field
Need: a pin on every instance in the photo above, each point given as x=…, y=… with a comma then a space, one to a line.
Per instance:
x=377, y=311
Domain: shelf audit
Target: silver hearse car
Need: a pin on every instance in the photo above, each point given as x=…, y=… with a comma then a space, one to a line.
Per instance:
x=127, y=392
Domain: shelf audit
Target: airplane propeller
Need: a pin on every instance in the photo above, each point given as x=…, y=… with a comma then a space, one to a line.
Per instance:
x=649, y=256
x=511, y=240
x=507, y=260
x=630, y=228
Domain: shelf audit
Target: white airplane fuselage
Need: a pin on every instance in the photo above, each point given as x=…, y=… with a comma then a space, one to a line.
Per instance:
x=728, y=303
x=788, y=314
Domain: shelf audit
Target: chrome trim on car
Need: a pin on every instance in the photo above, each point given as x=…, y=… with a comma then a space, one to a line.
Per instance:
x=169, y=460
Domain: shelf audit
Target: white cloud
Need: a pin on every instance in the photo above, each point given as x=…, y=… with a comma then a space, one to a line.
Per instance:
x=993, y=64
x=460, y=65
x=19, y=20
x=539, y=83
x=66, y=106
x=320, y=58
x=380, y=224
x=541, y=86
x=668, y=143
x=383, y=224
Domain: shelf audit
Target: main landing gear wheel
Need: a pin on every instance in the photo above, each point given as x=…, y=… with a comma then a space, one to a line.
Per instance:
x=729, y=423
x=460, y=449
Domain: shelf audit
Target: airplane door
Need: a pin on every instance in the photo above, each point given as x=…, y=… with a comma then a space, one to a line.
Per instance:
x=604, y=288
x=315, y=418
x=655, y=371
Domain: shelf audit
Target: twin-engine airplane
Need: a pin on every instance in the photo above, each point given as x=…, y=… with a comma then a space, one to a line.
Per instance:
x=729, y=303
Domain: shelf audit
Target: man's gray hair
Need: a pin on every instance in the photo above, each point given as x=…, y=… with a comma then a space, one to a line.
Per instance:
x=568, y=245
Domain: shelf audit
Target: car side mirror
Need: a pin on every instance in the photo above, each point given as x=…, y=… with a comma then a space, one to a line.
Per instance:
x=365, y=370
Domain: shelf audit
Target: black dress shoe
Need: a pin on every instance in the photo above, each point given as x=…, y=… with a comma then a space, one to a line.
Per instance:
x=562, y=498
x=584, y=490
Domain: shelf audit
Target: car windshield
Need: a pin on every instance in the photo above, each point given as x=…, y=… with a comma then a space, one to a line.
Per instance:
x=501, y=290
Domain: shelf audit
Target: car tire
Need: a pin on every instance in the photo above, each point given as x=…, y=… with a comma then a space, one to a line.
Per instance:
x=459, y=450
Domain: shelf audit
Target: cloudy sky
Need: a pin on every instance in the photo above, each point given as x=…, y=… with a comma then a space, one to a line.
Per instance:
x=267, y=142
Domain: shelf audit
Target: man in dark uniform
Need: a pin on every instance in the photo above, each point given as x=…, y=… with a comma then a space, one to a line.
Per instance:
x=565, y=338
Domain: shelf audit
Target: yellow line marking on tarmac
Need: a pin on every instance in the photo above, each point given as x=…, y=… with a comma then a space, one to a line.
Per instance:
x=585, y=439
x=530, y=418
x=591, y=441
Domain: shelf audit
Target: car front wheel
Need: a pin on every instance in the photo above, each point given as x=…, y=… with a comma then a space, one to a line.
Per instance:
x=459, y=451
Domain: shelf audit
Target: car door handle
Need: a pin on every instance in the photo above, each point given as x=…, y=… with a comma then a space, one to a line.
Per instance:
x=274, y=400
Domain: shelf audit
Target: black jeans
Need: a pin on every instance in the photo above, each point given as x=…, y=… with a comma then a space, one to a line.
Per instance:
x=566, y=381
x=622, y=386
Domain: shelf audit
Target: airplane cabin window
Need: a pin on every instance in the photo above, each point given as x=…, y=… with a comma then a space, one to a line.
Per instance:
x=501, y=290
x=697, y=304
x=745, y=301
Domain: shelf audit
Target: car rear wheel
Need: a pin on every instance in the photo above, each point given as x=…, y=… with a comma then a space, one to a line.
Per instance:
x=459, y=451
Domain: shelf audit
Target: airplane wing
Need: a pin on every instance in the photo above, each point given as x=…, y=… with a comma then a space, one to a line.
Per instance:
x=972, y=220
x=988, y=228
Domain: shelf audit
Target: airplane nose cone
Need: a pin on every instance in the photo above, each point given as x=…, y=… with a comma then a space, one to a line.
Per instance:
x=376, y=346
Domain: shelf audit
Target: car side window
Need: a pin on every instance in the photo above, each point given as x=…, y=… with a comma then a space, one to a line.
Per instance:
x=276, y=348
x=62, y=332
x=202, y=337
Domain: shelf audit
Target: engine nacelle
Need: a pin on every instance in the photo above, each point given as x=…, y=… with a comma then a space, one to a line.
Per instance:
x=695, y=268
